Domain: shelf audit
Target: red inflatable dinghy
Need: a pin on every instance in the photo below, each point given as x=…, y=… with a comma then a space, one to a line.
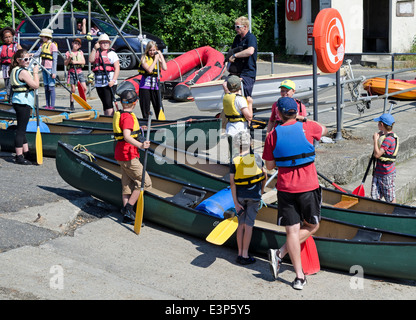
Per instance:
x=211, y=64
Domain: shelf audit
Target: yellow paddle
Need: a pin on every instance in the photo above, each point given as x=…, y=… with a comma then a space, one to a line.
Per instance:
x=161, y=112
x=223, y=231
x=140, y=202
x=38, y=139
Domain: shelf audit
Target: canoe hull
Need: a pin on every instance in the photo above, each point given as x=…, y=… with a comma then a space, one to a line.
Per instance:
x=381, y=258
x=368, y=212
x=378, y=86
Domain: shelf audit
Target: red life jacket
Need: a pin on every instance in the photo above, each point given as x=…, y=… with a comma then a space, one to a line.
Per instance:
x=98, y=63
x=7, y=52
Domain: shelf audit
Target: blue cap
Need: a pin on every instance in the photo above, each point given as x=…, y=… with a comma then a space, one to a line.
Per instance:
x=287, y=105
x=386, y=118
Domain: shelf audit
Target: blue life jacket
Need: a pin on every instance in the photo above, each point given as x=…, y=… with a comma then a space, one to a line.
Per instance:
x=292, y=148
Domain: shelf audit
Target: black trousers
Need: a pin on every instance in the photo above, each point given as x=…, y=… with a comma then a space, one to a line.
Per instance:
x=146, y=96
x=22, y=117
x=106, y=97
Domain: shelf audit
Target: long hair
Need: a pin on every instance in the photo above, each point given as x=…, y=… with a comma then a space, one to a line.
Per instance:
x=149, y=46
x=17, y=55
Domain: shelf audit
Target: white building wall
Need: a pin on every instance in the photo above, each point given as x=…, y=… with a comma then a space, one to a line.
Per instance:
x=352, y=16
x=403, y=29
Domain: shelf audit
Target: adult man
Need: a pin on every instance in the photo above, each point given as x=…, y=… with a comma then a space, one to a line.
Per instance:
x=290, y=148
x=287, y=89
x=243, y=62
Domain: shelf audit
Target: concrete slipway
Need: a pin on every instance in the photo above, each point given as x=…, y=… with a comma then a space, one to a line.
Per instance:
x=58, y=243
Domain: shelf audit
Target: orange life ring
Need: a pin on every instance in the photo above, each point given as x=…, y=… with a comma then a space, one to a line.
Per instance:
x=329, y=34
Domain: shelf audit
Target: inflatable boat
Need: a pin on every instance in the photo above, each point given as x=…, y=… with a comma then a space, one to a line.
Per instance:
x=208, y=61
x=378, y=86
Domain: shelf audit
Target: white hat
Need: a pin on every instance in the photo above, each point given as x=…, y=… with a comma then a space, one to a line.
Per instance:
x=103, y=37
x=46, y=33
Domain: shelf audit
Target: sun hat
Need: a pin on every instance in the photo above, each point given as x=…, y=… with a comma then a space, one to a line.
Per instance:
x=233, y=83
x=288, y=84
x=287, y=105
x=46, y=33
x=386, y=118
x=103, y=37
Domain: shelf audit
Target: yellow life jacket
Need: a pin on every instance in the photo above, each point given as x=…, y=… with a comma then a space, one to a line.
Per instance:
x=76, y=57
x=149, y=61
x=389, y=158
x=118, y=133
x=247, y=170
x=16, y=84
x=46, y=52
x=230, y=111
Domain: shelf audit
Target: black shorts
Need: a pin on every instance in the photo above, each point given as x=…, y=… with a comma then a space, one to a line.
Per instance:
x=295, y=208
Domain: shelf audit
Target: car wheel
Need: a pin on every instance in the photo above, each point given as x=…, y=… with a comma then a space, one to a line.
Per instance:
x=127, y=62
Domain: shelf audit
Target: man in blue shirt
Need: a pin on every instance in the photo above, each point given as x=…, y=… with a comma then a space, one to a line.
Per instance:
x=243, y=62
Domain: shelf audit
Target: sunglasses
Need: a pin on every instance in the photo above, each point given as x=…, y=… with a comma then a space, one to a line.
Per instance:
x=24, y=59
x=238, y=26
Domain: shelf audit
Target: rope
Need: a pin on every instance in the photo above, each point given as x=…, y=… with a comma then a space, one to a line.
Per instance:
x=82, y=150
x=200, y=60
x=179, y=68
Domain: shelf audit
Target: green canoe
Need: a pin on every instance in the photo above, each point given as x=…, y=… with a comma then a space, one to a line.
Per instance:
x=171, y=203
x=203, y=133
x=210, y=173
x=101, y=140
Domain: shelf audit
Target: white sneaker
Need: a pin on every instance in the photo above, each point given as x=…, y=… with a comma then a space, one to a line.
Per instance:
x=298, y=284
x=274, y=261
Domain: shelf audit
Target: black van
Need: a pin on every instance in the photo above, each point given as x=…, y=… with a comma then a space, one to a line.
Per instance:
x=63, y=28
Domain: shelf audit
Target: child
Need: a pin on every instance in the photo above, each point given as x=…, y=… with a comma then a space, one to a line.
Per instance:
x=126, y=127
x=247, y=180
x=237, y=110
x=148, y=87
x=75, y=60
x=7, y=50
x=48, y=51
x=386, y=145
x=106, y=69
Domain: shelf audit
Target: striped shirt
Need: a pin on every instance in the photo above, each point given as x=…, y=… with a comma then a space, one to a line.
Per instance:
x=383, y=168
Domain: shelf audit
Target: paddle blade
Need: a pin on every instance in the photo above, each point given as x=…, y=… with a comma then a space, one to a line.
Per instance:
x=39, y=150
x=81, y=91
x=139, y=213
x=223, y=231
x=309, y=257
x=359, y=191
x=81, y=101
x=161, y=115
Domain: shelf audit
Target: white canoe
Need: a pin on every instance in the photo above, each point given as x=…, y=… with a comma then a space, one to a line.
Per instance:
x=208, y=96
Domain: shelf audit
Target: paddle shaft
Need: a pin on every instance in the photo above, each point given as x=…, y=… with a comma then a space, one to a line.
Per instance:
x=368, y=169
x=149, y=122
x=331, y=182
x=162, y=110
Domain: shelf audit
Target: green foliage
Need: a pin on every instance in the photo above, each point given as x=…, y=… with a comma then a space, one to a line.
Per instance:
x=182, y=24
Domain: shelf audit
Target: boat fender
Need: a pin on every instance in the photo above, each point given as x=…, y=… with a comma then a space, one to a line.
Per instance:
x=32, y=127
x=218, y=203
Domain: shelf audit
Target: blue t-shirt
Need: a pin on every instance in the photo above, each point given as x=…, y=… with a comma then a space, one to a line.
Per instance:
x=249, y=64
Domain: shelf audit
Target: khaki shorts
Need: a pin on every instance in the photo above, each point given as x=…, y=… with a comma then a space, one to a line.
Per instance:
x=131, y=176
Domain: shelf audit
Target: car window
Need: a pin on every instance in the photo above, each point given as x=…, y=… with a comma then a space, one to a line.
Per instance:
x=62, y=25
x=28, y=27
x=104, y=27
